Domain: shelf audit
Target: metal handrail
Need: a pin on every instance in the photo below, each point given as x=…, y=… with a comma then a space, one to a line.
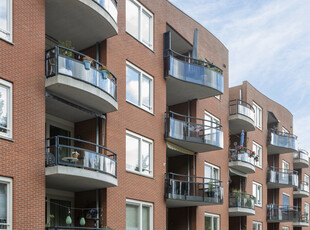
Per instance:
x=282, y=170
x=57, y=146
x=79, y=59
x=214, y=182
x=170, y=52
x=301, y=186
x=280, y=206
x=218, y=126
x=237, y=102
x=280, y=133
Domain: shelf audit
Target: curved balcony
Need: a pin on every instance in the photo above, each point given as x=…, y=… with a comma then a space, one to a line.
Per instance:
x=302, y=191
x=68, y=78
x=279, y=213
x=189, y=191
x=242, y=159
x=281, y=178
x=302, y=220
x=189, y=78
x=281, y=142
x=301, y=159
x=76, y=165
x=194, y=134
x=241, y=116
x=241, y=204
x=84, y=22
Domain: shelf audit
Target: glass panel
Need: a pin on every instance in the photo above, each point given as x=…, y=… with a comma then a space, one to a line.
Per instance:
x=145, y=91
x=285, y=200
x=132, y=19
x=4, y=15
x=132, y=153
x=60, y=212
x=132, y=86
x=145, y=152
x=145, y=218
x=3, y=203
x=3, y=109
x=208, y=223
x=146, y=28
x=132, y=217
x=215, y=223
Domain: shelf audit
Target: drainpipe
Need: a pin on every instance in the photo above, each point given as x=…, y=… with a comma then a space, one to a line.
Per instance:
x=195, y=44
x=188, y=219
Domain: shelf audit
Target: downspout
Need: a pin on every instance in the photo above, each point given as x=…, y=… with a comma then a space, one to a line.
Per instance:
x=195, y=44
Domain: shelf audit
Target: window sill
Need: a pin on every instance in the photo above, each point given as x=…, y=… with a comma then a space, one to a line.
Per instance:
x=7, y=41
x=7, y=138
x=140, y=174
x=260, y=206
x=140, y=108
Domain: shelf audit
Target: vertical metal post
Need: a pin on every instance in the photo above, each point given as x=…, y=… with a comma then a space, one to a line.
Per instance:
x=98, y=60
x=195, y=44
x=188, y=219
x=56, y=148
x=56, y=59
x=97, y=207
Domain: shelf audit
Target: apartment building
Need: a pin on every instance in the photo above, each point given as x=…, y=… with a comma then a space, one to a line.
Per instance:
x=120, y=114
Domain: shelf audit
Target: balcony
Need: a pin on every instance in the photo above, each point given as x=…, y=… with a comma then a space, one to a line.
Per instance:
x=194, y=134
x=281, y=142
x=242, y=159
x=241, y=116
x=301, y=159
x=67, y=77
x=84, y=22
x=241, y=204
x=189, y=191
x=302, y=220
x=189, y=78
x=76, y=165
x=279, y=213
x=302, y=191
x=281, y=178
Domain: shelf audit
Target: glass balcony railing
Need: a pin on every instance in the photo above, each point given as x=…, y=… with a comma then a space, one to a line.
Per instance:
x=192, y=129
x=110, y=6
x=193, y=189
x=238, y=106
x=67, y=62
x=301, y=155
x=194, y=70
x=279, y=177
x=241, y=200
x=282, y=140
x=302, y=218
x=303, y=186
x=280, y=213
x=242, y=154
x=77, y=153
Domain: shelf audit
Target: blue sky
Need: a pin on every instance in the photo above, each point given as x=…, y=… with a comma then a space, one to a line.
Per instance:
x=269, y=46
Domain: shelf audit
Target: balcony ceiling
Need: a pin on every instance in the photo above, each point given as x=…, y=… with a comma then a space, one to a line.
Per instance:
x=178, y=43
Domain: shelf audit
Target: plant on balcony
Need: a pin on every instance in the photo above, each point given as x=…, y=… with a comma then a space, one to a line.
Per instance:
x=88, y=61
x=104, y=71
x=66, y=44
x=210, y=192
x=75, y=154
x=50, y=221
x=256, y=158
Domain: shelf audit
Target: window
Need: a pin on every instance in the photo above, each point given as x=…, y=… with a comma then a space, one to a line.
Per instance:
x=211, y=132
x=139, y=88
x=306, y=179
x=211, y=171
x=258, y=149
x=257, y=193
x=257, y=225
x=285, y=166
x=139, y=154
x=139, y=215
x=284, y=130
x=285, y=228
x=307, y=210
x=212, y=222
x=6, y=203
x=5, y=109
x=258, y=116
x=285, y=200
x=6, y=20
x=139, y=22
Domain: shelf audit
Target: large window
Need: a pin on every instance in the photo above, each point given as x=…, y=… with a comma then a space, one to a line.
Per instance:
x=139, y=215
x=5, y=203
x=139, y=22
x=139, y=154
x=212, y=221
x=139, y=88
x=6, y=20
x=258, y=116
x=211, y=172
x=258, y=149
x=5, y=109
x=257, y=225
x=258, y=193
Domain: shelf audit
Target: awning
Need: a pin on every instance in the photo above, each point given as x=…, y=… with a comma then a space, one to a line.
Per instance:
x=179, y=149
x=234, y=172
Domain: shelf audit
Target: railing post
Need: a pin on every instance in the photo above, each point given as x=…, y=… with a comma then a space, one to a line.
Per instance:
x=56, y=59
x=56, y=149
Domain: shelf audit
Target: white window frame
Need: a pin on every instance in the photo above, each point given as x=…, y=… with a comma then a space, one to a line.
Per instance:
x=213, y=216
x=141, y=75
x=213, y=167
x=285, y=228
x=307, y=179
x=258, y=163
x=142, y=138
x=8, y=35
x=257, y=186
x=141, y=204
x=9, y=183
x=307, y=205
x=259, y=225
x=9, y=86
x=285, y=166
x=284, y=130
x=141, y=10
x=258, y=121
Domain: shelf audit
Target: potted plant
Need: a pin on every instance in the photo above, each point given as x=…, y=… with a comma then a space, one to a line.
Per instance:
x=249, y=201
x=75, y=154
x=210, y=191
x=88, y=61
x=50, y=220
x=104, y=71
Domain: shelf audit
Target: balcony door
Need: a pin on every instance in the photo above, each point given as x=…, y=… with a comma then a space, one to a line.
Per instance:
x=306, y=179
x=284, y=176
